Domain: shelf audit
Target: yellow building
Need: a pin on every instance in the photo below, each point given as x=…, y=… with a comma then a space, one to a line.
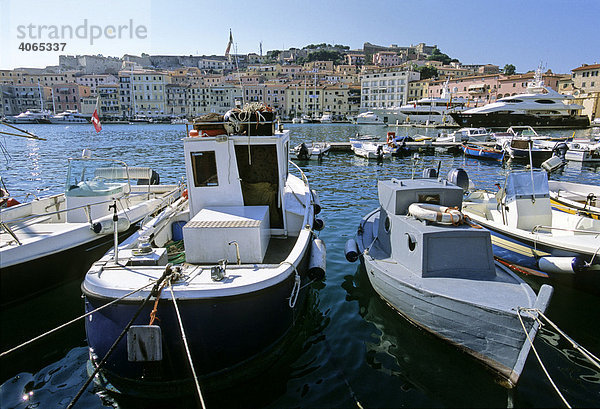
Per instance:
x=149, y=93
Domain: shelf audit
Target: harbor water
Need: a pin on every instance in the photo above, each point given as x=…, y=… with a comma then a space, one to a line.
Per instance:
x=349, y=349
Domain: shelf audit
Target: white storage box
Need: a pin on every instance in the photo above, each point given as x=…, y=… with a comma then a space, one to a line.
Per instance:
x=208, y=234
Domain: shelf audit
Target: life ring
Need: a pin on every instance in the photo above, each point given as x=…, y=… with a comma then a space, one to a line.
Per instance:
x=435, y=213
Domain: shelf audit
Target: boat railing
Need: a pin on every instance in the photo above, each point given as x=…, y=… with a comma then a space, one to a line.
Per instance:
x=540, y=227
x=85, y=206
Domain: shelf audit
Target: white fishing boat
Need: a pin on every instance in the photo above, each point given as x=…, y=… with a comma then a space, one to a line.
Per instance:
x=439, y=272
x=234, y=262
x=32, y=116
x=311, y=150
x=575, y=198
x=528, y=233
x=371, y=150
x=53, y=239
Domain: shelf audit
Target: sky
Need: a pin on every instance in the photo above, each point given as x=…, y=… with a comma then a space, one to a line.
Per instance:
x=559, y=34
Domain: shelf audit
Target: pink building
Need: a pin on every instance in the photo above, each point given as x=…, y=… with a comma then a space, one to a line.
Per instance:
x=69, y=96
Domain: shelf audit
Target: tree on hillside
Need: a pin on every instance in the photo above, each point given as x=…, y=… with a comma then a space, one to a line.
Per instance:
x=427, y=72
x=437, y=55
x=509, y=69
x=323, y=55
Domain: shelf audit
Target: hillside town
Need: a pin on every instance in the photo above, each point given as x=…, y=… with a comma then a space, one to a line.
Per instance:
x=316, y=80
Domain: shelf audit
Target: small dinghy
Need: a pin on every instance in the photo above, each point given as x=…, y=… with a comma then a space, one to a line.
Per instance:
x=483, y=152
x=54, y=239
x=227, y=269
x=311, y=151
x=439, y=272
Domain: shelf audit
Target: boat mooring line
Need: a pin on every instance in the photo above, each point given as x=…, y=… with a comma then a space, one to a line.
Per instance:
x=185, y=343
x=536, y=353
x=587, y=354
x=72, y=321
x=340, y=373
x=164, y=276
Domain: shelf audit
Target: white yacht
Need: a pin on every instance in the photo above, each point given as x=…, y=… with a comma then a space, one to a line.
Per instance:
x=369, y=118
x=33, y=116
x=68, y=117
x=326, y=118
x=540, y=106
x=429, y=109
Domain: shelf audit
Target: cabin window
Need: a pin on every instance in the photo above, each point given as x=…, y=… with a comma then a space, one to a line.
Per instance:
x=204, y=168
x=433, y=198
x=544, y=101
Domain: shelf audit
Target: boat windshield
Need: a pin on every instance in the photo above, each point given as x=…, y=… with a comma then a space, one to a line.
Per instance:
x=525, y=184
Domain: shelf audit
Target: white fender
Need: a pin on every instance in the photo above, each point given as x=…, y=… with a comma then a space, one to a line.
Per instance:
x=435, y=213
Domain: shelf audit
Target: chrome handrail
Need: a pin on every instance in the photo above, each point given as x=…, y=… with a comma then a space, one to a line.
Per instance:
x=539, y=227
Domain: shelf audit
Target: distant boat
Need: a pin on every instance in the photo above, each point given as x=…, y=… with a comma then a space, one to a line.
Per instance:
x=311, y=151
x=369, y=118
x=326, y=118
x=30, y=117
x=482, y=152
x=68, y=117
x=539, y=106
x=467, y=135
x=371, y=150
x=440, y=274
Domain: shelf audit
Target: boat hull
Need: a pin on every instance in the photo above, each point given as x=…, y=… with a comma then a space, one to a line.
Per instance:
x=482, y=153
x=493, y=337
x=25, y=280
x=225, y=335
x=504, y=120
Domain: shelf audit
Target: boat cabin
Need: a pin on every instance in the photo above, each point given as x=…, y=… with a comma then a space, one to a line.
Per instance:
x=237, y=193
x=426, y=248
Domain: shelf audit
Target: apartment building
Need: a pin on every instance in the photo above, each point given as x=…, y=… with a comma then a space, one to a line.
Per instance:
x=69, y=96
x=93, y=80
x=149, y=93
x=110, y=101
x=176, y=95
x=385, y=88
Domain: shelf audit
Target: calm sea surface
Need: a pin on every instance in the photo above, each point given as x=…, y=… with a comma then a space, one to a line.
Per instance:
x=349, y=348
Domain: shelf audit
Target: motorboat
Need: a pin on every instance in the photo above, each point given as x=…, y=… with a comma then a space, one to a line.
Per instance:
x=179, y=121
x=326, y=118
x=53, y=239
x=32, y=116
x=234, y=263
x=523, y=132
x=68, y=117
x=483, y=152
x=576, y=150
x=437, y=270
x=528, y=234
x=526, y=150
x=311, y=150
x=371, y=150
x=540, y=106
x=467, y=135
x=368, y=118
x=295, y=120
x=307, y=119
x=575, y=198
x=430, y=110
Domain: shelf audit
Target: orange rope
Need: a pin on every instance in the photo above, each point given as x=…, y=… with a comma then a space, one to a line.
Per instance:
x=155, y=309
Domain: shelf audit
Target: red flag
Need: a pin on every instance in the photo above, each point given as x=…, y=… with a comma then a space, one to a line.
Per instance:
x=96, y=118
x=96, y=121
x=229, y=44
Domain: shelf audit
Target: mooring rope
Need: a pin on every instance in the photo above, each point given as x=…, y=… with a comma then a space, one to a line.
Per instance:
x=185, y=343
x=538, y=356
x=66, y=324
x=165, y=274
